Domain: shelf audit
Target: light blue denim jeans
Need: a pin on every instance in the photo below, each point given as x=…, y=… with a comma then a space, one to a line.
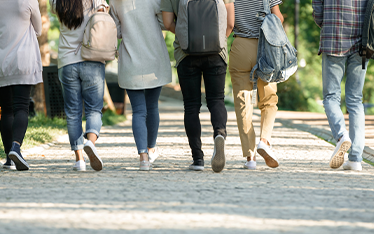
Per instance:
x=145, y=117
x=333, y=70
x=82, y=82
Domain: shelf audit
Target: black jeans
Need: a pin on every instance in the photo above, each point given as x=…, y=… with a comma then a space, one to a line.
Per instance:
x=14, y=102
x=213, y=69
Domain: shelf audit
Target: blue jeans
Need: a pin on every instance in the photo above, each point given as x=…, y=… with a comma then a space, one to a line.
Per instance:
x=145, y=117
x=82, y=82
x=333, y=69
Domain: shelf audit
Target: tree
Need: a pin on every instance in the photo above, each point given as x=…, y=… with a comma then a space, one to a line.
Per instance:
x=38, y=92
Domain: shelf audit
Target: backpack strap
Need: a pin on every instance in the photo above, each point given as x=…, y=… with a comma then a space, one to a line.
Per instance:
x=261, y=14
x=365, y=31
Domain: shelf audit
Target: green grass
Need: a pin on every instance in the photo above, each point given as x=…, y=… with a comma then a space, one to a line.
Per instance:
x=111, y=118
x=42, y=129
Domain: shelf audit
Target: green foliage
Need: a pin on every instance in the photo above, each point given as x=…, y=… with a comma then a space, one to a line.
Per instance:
x=111, y=118
x=291, y=97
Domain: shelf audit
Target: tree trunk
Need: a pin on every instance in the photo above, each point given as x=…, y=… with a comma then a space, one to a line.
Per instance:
x=38, y=92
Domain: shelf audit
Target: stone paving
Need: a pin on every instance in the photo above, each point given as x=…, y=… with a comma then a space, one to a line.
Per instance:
x=303, y=195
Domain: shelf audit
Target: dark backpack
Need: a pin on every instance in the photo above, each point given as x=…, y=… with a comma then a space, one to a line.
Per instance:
x=367, y=47
x=201, y=26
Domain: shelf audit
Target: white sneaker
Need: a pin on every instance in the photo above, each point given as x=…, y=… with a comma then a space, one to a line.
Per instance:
x=153, y=156
x=95, y=160
x=12, y=166
x=79, y=166
x=354, y=166
x=265, y=151
x=218, y=159
x=337, y=158
x=145, y=166
x=251, y=165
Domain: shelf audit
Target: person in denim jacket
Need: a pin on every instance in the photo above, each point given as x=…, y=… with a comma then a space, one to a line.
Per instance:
x=341, y=30
x=243, y=58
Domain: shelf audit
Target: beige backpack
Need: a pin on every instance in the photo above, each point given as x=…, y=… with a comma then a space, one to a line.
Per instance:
x=100, y=37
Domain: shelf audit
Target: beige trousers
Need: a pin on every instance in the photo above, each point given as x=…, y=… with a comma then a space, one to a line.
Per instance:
x=243, y=57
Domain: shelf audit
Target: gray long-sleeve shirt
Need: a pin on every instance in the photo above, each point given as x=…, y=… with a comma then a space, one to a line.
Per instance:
x=20, y=60
x=144, y=60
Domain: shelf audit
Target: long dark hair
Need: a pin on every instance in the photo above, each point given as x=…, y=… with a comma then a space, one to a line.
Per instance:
x=70, y=12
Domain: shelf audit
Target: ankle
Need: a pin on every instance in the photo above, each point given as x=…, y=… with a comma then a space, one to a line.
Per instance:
x=143, y=157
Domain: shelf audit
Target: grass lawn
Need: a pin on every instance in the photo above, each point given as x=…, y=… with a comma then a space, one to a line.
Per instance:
x=42, y=129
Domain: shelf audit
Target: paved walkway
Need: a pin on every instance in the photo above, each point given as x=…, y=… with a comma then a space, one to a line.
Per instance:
x=303, y=195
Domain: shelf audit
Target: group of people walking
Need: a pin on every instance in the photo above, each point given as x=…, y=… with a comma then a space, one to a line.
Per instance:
x=144, y=67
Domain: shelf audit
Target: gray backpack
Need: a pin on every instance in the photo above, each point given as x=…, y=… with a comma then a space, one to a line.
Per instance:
x=276, y=57
x=201, y=26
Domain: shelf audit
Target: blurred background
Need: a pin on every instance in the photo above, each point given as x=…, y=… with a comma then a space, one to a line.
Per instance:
x=302, y=92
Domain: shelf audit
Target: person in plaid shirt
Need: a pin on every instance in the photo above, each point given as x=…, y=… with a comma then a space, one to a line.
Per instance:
x=341, y=24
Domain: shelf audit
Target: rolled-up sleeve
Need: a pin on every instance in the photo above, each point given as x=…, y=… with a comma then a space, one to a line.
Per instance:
x=318, y=12
x=36, y=19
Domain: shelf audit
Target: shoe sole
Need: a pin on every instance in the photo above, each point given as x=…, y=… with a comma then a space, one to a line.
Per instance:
x=249, y=168
x=196, y=168
x=270, y=161
x=9, y=167
x=219, y=159
x=144, y=168
x=95, y=161
x=338, y=159
x=21, y=164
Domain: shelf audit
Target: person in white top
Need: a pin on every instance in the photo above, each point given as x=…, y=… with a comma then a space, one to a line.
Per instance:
x=144, y=67
x=82, y=81
x=20, y=69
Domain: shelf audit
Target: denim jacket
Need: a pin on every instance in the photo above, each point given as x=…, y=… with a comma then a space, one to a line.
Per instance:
x=276, y=57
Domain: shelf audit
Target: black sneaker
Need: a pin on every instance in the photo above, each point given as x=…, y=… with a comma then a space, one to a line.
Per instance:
x=197, y=165
x=16, y=156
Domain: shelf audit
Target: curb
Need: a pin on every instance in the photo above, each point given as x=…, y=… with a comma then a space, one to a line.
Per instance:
x=325, y=134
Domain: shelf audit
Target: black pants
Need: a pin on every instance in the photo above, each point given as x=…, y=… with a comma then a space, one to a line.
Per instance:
x=213, y=69
x=14, y=102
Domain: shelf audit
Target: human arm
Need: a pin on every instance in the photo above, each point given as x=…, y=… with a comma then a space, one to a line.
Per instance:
x=276, y=11
x=36, y=18
x=230, y=18
x=114, y=15
x=169, y=21
x=317, y=6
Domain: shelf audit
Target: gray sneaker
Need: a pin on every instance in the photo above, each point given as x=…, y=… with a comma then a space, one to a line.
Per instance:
x=219, y=159
x=145, y=166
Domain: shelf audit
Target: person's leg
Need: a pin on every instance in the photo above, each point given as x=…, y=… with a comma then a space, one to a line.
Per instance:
x=214, y=73
x=153, y=120
x=92, y=76
x=139, y=126
x=242, y=59
x=21, y=102
x=7, y=117
x=139, y=117
x=268, y=100
x=353, y=98
x=72, y=93
x=332, y=74
x=189, y=74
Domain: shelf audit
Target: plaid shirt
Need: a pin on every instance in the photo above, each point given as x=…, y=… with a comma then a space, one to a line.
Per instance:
x=341, y=23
